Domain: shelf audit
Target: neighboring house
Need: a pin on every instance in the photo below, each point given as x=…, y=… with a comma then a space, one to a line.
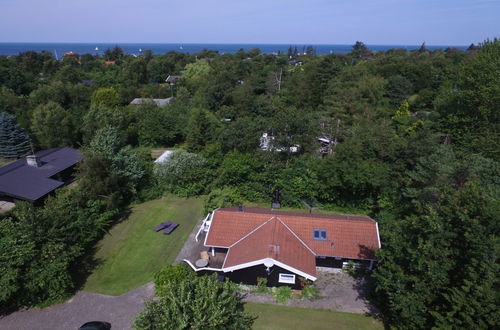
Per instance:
x=295, y=62
x=245, y=244
x=158, y=102
x=32, y=178
x=172, y=80
x=266, y=144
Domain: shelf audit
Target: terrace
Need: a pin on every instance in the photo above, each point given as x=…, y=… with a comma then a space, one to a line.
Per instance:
x=194, y=251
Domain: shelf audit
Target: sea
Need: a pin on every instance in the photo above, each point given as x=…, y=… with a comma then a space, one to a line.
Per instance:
x=59, y=49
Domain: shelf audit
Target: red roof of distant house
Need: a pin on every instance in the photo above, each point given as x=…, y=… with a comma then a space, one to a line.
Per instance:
x=109, y=62
x=348, y=236
x=69, y=53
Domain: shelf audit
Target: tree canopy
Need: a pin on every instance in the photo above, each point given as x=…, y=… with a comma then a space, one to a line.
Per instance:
x=407, y=137
x=190, y=302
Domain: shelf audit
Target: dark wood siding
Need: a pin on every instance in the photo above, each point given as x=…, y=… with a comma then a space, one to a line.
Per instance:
x=249, y=276
x=329, y=262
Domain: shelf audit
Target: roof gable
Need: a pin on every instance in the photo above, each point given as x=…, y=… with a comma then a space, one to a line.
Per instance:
x=272, y=240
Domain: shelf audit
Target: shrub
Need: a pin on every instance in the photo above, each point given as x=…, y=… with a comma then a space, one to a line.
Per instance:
x=310, y=292
x=224, y=197
x=171, y=275
x=185, y=173
x=350, y=268
x=262, y=285
x=282, y=294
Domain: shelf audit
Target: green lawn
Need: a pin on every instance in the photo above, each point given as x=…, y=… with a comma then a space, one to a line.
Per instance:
x=276, y=317
x=132, y=251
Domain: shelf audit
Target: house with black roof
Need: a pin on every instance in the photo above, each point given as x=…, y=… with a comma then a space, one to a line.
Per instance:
x=34, y=177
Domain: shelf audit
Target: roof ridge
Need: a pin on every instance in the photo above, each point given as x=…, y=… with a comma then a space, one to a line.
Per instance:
x=251, y=232
x=241, y=239
x=296, y=236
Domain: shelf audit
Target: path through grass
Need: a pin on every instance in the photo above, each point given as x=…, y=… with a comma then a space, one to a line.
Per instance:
x=132, y=251
x=276, y=317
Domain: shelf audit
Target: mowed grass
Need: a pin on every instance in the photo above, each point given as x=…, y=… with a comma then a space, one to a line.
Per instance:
x=276, y=317
x=132, y=251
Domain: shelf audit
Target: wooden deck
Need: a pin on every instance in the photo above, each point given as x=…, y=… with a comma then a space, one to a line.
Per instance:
x=215, y=261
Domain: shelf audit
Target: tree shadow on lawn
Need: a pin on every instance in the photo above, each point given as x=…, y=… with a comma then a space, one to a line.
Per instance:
x=364, y=284
x=84, y=266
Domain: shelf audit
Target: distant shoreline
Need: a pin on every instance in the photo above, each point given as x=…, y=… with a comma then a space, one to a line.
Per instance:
x=14, y=48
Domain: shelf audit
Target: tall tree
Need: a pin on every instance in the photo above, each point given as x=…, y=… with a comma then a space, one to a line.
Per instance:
x=469, y=108
x=14, y=142
x=52, y=125
x=202, y=129
x=359, y=50
x=190, y=302
x=438, y=266
x=107, y=97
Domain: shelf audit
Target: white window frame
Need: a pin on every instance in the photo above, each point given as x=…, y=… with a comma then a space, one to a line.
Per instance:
x=320, y=232
x=286, y=278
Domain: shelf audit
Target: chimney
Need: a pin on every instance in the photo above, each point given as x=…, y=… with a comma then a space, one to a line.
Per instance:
x=276, y=203
x=33, y=160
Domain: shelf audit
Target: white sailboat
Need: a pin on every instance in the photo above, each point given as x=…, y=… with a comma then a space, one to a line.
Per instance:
x=181, y=47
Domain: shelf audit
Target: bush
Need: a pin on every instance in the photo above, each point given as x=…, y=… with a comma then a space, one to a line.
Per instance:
x=310, y=292
x=262, y=285
x=282, y=294
x=171, y=275
x=224, y=197
x=185, y=173
x=350, y=268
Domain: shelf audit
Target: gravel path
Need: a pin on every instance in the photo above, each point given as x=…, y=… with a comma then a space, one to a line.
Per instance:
x=338, y=291
x=83, y=307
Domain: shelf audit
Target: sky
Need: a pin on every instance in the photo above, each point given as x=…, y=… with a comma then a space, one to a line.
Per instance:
x=375, y=22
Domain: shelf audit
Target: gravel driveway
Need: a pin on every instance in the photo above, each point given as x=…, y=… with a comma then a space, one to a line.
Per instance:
x=83, y=307
x=339, y=292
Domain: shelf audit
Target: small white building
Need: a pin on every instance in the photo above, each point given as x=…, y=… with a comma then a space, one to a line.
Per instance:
x=164, y=156
x=158, y=102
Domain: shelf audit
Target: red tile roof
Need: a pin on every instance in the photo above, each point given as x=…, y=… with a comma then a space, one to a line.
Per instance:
x=275, y=240
x=348, y=236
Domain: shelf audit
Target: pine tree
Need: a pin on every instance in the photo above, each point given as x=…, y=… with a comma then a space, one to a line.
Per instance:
x=14, y=142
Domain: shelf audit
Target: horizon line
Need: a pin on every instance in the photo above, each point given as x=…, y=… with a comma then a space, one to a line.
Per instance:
x=226, y=43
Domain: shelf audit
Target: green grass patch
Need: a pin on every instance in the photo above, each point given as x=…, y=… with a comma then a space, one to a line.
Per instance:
x=132, y=251
x=276, y=317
